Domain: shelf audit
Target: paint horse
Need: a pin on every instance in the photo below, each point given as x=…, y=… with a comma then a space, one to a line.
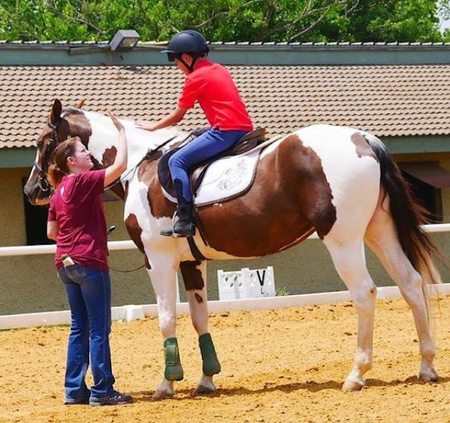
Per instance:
x=337, y=181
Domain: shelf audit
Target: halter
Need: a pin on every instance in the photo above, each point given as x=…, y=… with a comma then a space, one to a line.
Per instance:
x=43, y=182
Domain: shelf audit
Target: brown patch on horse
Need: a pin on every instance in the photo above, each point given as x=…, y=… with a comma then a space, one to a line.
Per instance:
x=79, y=125
x=192, y=277
x=135, y=231
x=289, y=199
x=109, y=156
x=363, y=149
x=73, y=123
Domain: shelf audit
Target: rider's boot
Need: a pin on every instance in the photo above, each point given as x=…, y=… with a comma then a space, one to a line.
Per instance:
x=184, y=226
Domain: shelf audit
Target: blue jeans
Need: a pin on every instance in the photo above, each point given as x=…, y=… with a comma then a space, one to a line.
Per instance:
x=207, y=145
x=89, y=295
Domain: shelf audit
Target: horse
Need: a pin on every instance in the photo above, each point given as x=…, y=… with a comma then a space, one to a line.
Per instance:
x=337, y=181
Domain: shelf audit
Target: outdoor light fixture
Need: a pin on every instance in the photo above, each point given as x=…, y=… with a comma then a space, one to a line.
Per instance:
x=125, y=39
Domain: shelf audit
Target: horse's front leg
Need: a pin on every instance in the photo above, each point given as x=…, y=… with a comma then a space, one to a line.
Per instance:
x=194, y=277
x=164, y=285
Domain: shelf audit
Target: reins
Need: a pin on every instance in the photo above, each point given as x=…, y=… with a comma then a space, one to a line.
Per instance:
x=146, y=157
x=127, y=271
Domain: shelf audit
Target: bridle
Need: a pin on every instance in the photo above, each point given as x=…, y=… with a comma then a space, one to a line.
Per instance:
x=52, y=143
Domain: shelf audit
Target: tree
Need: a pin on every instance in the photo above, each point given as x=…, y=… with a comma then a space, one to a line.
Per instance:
x=225, y=20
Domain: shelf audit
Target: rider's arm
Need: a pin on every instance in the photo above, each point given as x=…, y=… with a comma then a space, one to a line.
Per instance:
x=171, y=119
x=52, y=229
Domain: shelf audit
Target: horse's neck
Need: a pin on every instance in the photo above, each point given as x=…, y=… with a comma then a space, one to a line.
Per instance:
x=104, y=136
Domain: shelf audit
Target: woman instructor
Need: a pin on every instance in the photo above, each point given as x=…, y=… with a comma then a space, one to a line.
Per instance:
x=76, y=221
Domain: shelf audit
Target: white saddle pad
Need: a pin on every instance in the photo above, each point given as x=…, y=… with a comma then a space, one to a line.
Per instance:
x=226, y=178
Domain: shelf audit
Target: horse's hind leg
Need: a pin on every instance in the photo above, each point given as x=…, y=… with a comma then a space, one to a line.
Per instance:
x=381, y=237
x=194, y=277
x=349, y=262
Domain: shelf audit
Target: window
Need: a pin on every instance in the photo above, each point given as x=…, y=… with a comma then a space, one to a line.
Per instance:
x=35, y=222
x=427, y=179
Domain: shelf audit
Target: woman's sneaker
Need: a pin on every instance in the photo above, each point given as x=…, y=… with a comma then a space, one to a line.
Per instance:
x=116, y=398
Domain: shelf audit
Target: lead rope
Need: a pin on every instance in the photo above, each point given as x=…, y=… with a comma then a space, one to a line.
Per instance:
x=110, y=229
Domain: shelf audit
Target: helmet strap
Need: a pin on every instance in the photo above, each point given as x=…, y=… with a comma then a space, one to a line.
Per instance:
x=191, y=67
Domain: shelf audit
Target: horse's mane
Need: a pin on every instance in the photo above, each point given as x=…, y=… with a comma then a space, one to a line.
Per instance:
x=72, y=111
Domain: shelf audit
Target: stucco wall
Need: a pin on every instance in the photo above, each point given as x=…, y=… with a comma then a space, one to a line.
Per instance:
x=29, y=284
x=12, y=218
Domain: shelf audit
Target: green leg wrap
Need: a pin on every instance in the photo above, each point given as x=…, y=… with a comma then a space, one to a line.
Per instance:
x=173, y=370
x=211, y=365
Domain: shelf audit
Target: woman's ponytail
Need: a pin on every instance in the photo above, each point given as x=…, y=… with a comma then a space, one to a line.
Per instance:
x=59, y=168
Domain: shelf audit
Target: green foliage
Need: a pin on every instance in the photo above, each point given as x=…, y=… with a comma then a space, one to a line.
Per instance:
x=225, y=20
x=282, y=292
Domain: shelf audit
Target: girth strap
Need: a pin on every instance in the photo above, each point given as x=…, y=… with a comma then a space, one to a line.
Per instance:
x=194, y=249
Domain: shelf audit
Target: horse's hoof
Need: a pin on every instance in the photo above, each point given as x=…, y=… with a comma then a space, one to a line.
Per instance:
x=429, y=375
x=203, y=390
x=352, y=386
x=205, y=386
x=161, y=395
x=164, y=390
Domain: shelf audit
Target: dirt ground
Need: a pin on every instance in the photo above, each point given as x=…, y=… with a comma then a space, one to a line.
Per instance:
x=283, y=365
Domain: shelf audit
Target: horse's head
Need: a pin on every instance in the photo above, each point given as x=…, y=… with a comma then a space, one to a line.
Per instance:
x=60, y=125
x=98, y=134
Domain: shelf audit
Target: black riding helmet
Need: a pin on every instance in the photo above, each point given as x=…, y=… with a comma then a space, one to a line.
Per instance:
x=190, y=42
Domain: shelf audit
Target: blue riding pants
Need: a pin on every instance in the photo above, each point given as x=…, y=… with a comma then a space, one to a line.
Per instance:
x=89, y=295
x=207, y=145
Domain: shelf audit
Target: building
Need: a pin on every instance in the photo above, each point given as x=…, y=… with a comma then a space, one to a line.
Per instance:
x=399, y=92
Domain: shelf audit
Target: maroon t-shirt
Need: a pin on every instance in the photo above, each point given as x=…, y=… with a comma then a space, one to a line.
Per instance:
x=78, y=208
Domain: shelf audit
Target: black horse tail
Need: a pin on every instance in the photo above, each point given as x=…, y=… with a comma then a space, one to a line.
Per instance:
x=408, y=215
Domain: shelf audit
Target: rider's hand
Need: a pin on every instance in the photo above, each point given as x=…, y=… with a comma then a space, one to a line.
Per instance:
x=148, y=126
x=116, y=122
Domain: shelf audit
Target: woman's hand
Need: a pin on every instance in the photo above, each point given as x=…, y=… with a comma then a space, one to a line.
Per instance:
x=116, y=121
x=119, y=165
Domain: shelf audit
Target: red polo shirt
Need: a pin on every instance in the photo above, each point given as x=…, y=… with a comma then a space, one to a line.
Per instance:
x=78, y=208
x=212, y=86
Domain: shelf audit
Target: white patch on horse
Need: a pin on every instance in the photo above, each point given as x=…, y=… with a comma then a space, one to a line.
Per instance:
x=104, y=136
x=342, y=167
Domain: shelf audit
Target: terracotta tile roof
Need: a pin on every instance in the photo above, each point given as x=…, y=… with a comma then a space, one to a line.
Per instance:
x=410, y=100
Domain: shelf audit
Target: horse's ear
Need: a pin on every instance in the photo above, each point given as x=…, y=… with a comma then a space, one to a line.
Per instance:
x=81, y=103
x=55, y=114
